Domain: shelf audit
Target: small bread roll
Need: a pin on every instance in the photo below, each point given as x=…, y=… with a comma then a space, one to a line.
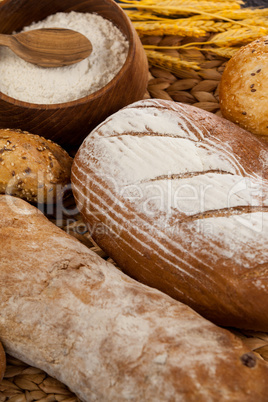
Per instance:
x=32, y=167
x=244, y=88
x=2, y=362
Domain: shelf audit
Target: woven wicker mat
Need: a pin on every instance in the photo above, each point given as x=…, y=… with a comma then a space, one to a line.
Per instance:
x=23, y=383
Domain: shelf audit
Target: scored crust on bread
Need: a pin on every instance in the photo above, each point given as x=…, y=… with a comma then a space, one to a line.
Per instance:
x=178, y=198
x=106, y=336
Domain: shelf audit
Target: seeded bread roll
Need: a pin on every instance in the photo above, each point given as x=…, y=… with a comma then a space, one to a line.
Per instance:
x=244, y=88
x=178, y=198
x=2, y=362
x=109, y=338
x=32, y=167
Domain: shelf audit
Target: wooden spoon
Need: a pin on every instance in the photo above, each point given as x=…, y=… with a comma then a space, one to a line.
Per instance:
x=49, y=47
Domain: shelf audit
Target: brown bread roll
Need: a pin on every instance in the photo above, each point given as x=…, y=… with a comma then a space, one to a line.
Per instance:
x=109, y=338
x=244, y=88
x=2, y=362
x=178, y=198
x=32, y=167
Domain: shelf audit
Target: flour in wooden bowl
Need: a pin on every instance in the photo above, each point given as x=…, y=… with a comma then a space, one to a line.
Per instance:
x=27, y=82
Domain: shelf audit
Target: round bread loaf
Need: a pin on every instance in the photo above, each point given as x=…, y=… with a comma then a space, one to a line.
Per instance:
x=243, y=89
x=178, y=198
x=2, y=362
x=33, y=167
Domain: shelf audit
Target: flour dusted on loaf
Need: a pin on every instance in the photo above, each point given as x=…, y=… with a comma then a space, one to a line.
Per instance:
x=108, y=337
x=29, y=83
x=178, y=198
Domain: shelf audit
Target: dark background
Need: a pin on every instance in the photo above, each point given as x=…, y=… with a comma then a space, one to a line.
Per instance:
x=256, y=3
x=248, y=3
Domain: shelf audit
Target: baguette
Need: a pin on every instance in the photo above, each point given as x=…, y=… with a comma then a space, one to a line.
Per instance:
x=32, y=167
x=109, y=338
x=178, y=198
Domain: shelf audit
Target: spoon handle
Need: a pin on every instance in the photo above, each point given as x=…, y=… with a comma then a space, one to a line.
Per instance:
x=5, y=40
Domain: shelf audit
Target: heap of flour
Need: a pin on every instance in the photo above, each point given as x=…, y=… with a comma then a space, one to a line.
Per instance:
x=29, y=83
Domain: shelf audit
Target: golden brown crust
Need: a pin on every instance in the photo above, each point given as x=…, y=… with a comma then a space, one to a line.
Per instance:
x=243, y=89
x=178, y=198
x=32, y=167
x=2, y=362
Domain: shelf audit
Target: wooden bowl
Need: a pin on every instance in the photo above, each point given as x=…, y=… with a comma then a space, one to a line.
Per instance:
x=70, y=122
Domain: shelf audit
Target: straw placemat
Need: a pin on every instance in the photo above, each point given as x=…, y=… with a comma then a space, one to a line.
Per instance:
x=197, y=88
x=23, y=383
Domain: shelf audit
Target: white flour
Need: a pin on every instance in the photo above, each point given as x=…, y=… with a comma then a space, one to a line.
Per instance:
x=29, y=83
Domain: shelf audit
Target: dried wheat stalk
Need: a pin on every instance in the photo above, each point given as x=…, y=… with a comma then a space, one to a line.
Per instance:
x=244, y=13
x=240, y=36
x=197, y=27
x=160, y=28
x=233, y=26
x=182, y=7
x=226, y=52
x=170, y=63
